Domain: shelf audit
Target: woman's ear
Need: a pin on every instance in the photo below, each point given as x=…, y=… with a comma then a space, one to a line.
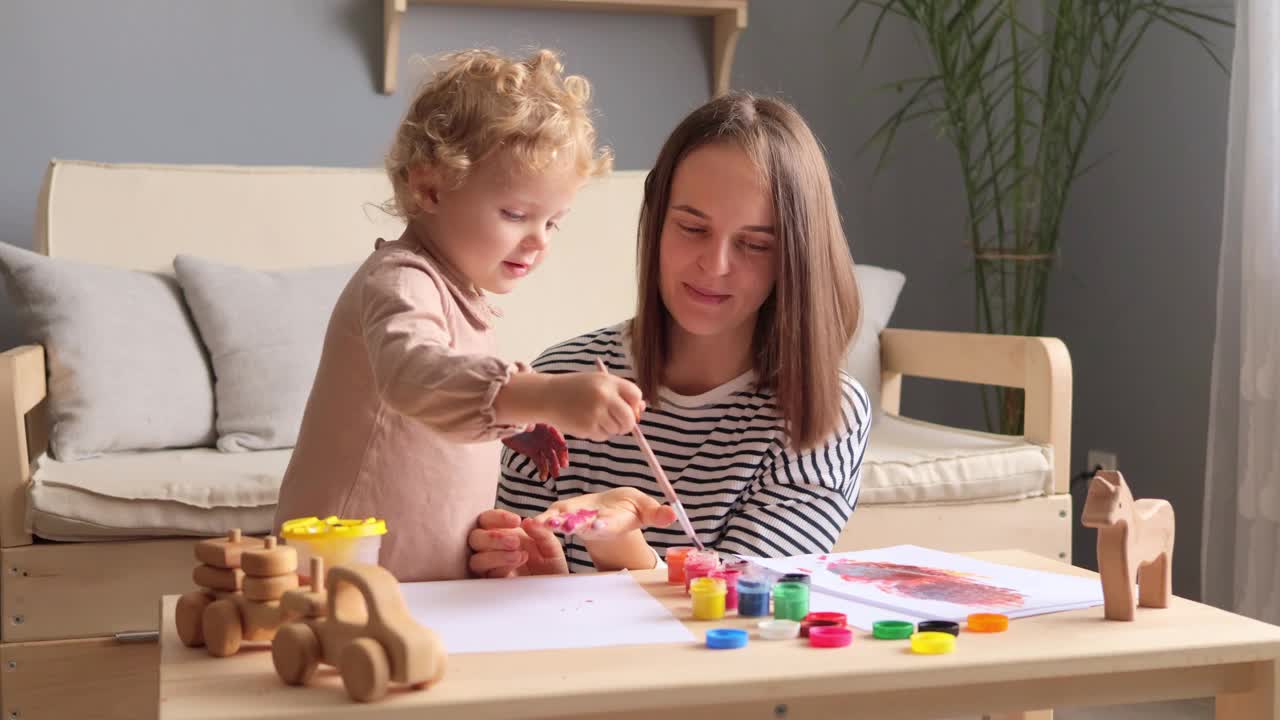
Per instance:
x=424, y=185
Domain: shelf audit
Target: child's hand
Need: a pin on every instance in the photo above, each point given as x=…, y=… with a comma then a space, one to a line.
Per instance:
x=545, y=446
x=607, y=515
x=503, y=545
x=593, y=405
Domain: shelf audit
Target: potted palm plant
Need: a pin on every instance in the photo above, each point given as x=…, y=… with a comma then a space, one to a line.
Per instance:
x=1017, y=87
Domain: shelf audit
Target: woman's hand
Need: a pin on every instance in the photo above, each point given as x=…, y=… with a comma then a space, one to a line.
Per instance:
x=607, y=515
x=503, y=545
x=609, y=525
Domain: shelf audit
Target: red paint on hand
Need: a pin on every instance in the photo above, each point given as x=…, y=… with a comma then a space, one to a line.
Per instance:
x=545, y=446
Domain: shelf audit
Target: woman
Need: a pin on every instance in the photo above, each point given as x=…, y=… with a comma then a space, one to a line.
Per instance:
x=747, y=303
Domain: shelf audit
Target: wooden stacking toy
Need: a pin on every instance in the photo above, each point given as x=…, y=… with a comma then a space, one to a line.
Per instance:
x=242, y=581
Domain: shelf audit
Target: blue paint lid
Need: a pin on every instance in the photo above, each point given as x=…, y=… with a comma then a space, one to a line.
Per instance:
x=726, y=639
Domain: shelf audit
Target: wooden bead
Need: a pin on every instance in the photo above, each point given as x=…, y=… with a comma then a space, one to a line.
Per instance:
x=225, y=552
x=270, y=562
x=216, y=578
x=269, y=588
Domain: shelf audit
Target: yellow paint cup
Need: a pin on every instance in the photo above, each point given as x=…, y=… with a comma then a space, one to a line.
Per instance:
x=708, y=598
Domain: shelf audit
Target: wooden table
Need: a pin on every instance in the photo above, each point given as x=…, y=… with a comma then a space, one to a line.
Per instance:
x=1065, y=659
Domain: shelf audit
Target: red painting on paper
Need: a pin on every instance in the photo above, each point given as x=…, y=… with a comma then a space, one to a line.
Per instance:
x=925, y=583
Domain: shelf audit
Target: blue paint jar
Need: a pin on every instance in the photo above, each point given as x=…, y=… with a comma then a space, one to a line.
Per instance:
x=753, y=597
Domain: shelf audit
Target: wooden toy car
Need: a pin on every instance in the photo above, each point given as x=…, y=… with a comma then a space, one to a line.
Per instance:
x=363, y=627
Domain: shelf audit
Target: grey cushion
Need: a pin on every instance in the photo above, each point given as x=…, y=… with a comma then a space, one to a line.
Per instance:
x=878, y=289
x=126, y=368
x=264, y=332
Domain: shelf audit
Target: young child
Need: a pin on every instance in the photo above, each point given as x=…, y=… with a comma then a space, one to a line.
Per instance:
x=409, y=401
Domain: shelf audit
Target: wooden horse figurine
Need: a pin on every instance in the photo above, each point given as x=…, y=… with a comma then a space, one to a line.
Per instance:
x=1135, y=539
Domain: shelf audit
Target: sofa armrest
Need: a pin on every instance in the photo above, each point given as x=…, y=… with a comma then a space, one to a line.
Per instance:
x=1040, y=366
x=22, y=388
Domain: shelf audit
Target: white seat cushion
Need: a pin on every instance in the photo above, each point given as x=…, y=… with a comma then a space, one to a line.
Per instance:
x=204, y=492
x=910, y=461
x=150, y=494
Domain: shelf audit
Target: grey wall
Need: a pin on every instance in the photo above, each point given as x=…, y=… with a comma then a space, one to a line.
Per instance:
x=294, y=81
x=1136, y=292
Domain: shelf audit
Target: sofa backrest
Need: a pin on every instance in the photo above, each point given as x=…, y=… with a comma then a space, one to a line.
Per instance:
x=140, y=216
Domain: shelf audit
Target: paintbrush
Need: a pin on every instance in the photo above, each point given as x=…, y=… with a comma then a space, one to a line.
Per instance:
x=661, y=475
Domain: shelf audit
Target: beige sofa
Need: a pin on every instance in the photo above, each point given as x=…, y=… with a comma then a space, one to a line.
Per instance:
x=87, y=547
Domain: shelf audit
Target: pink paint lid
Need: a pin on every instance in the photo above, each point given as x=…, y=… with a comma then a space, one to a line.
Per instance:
x=830, y=636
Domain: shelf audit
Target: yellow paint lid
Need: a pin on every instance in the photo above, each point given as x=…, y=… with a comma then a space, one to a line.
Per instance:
x=332, y=527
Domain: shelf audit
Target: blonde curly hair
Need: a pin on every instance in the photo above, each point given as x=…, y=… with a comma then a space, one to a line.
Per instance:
x=481, y=102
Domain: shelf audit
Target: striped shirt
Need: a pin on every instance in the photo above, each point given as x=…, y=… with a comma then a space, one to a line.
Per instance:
x=725, y=452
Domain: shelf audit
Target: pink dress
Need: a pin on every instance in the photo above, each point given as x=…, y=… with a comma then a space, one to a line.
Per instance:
x=400, y=422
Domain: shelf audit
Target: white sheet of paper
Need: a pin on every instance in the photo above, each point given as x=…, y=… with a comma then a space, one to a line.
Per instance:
x=543, y=613
x=964, y=585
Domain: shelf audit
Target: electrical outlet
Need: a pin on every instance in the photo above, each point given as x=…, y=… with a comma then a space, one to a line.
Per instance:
x=1104, y=458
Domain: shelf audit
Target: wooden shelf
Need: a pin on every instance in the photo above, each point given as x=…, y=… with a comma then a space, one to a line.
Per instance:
x=729, y=16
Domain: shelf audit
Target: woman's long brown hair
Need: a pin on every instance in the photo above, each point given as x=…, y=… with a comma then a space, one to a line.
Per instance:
x=808, y=321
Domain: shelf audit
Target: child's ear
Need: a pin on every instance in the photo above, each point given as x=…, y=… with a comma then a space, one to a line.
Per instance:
x=424, y=185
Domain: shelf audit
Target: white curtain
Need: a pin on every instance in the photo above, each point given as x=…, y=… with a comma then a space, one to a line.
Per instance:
x=1241, y=545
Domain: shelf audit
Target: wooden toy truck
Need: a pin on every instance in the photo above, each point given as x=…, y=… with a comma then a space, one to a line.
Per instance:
x=362, y=626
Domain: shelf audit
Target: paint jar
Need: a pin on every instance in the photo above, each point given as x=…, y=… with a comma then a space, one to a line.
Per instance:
x=790, y=601
x=675, y=564
x=802, y=578
x=708, y=598
x=829, y=636
x=821, y=619
x=753, y=597
x=933, y=643
x=730, y=578
x=779, y=629
x=338, y=541
x=699, y=563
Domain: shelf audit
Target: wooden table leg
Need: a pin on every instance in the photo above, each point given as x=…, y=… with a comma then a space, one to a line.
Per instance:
x=1258, y=697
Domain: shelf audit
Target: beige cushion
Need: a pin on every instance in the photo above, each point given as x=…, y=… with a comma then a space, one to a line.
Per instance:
x=910, y=461
x=204, y=492
x=169, y=492
x=140, y=217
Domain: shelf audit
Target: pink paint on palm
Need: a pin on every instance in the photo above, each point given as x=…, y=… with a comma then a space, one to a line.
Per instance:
x=577, y=518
